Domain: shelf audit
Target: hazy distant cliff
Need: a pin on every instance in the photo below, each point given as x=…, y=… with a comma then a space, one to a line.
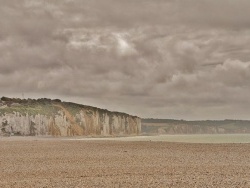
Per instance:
x=53, y=117
x=170, y=126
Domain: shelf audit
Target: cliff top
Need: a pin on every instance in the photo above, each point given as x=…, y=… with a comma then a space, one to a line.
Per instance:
x=10, y=102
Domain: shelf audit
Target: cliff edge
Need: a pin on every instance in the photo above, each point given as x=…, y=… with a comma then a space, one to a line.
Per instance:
x=31, y=117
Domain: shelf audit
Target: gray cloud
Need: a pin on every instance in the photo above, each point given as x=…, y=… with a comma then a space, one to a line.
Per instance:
x=166, y=59
x=227, y=14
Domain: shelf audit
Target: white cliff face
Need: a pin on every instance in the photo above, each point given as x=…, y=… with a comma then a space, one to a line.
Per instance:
x=84, y=121
x=24, y=124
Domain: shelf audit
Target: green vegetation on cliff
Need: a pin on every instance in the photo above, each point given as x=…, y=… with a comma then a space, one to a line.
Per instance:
x=46, y=106
x=27, y=106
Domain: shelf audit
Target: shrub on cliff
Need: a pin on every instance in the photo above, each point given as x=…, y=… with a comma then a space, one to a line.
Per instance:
x=56, y=100
x=6, y=99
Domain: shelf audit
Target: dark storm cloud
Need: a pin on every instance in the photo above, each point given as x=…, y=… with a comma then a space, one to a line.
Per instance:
x=177, y=59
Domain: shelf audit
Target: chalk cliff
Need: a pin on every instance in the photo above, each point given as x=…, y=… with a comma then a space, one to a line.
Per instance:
x=56, y=118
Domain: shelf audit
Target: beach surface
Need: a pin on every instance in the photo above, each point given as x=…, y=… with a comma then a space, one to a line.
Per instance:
x=60, y=162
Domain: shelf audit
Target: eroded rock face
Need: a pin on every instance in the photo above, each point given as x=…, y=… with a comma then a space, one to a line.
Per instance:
x=47, y=117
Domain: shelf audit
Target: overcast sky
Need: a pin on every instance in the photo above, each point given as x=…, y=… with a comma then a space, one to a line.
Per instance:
x=184, y=59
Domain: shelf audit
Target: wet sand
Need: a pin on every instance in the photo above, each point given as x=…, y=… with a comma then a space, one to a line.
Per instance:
x=84, y=163
x=188, y=138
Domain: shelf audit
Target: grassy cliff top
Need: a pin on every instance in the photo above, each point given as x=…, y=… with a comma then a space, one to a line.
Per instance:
x=46, y=106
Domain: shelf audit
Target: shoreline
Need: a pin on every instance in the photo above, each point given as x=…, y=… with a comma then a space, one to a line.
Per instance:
x=194, y=138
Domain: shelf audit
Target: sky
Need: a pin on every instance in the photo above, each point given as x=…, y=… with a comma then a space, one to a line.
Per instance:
x=179, y=59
